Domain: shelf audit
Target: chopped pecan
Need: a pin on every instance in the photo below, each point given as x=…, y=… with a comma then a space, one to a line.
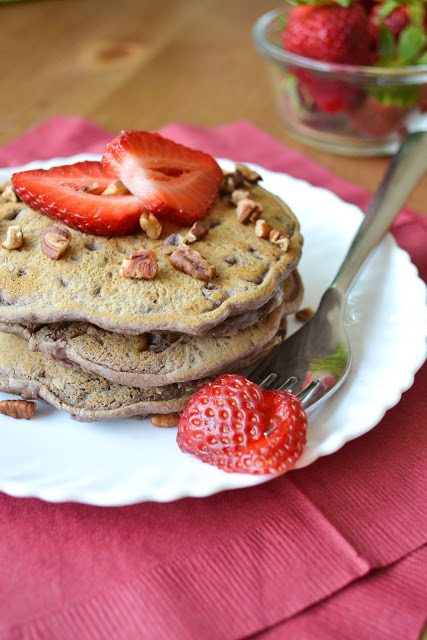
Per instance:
x=239, y=194
x=303, y=315
x=171, y=242
x=116, y=188
x=54, y=241
x=247, y=173
x=274, y=235
x=256, y=214
x=149, y=223
x=241, y=178
x=14, y=238
x=141, y=265
x=262, y=228
x=228, y=184
x=248, y=209
x=281, y=239
x=198, y=231
x=9, y=194
x=17, y=409
x=190, y=261
x=283, y=242
x=165, y=420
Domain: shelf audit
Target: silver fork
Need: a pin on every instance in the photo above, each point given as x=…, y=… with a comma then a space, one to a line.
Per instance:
x=314, y=361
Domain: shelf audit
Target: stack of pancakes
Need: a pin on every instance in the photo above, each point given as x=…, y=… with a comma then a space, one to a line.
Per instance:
x=80, y=336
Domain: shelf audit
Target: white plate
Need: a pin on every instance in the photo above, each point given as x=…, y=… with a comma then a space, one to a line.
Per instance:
x=128, y=461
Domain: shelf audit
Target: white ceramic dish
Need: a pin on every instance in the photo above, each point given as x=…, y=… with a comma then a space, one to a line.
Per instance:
x=128, y=461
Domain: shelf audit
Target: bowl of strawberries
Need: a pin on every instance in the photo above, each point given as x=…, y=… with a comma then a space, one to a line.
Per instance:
x=349, y=76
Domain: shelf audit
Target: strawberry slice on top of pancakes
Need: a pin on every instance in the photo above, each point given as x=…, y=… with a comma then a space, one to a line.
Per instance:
x=160, y=176
x=173, y=181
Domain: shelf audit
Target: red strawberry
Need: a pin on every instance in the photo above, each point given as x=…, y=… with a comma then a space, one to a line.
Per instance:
x=331, y=96
x=59, y=193
x=396, y=20
x=367, y=5
x=328, y=32
x=173, y=181
x=234, y=425
x=377, y=120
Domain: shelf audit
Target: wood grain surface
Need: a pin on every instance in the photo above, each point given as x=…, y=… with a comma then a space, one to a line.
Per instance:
x=143, y=63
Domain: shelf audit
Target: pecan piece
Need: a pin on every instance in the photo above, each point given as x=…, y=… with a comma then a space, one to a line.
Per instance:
x=190, y=261
x=247, y=173
x=280, y=239
x=198, y=231
x=54, y=241
x=228, y=184
x=9, y=194
x=303, y=315
x=165, y=420
x=116, y=188
x=239, y=194
x=17, y=409
x=171, y=242
x=241, y=178
x=149, y=223
x=262, y=228
x=283, y=242
x=14, y=238
x=248, y=209
x=141, y=265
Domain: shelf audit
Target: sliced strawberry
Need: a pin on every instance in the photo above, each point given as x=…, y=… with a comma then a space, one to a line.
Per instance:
x=234, y=425
x=173, y=181
x=60, y=193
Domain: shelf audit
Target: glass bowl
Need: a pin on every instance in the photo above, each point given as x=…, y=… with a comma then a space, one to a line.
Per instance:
x=361, y=127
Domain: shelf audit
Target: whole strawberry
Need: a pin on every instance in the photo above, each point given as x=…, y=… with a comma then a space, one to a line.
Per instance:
x=397, y=17
x=400, y=40
x=332, y=96
x=376, y=120
x=329, y=32
x=234, y=425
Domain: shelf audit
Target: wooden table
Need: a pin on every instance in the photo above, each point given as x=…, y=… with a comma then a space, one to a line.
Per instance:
x=139, y=64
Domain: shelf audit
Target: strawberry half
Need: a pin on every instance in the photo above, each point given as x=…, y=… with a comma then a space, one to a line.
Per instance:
x=234, y=425
x=60, y=193
x=173, y=181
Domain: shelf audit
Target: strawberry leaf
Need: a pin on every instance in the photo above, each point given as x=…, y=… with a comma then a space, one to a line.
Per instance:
x=422, y=59
x=282, y=20
x=416, y=13
x=385, y=45
x=396, y=95
x=290, y=86
x=411, y=43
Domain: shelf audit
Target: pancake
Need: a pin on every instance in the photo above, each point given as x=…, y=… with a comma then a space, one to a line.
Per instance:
x=290, y=291
x=87, y=396
x=155, y=359
x=86, y=285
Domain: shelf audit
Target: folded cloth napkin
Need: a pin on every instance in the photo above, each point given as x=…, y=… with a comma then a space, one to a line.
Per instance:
x=335, y=550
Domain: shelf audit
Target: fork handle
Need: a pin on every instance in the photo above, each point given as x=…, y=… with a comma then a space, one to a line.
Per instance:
x=404, y=171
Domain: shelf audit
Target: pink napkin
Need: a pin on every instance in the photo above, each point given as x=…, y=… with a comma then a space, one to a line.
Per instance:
x=336, y=550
